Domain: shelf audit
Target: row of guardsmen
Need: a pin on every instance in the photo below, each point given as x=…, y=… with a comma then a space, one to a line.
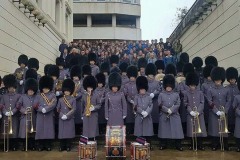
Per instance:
x=148, y=98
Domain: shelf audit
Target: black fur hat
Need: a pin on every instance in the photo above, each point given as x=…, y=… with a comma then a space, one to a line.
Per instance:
x=192, y=79
x=31, y=73
x=60, y=61
x=92, y=57
x=188, y=68
x=89, y=81
x=197, y=62
x=218, y=73
x=105, y=67
x=132, y=71
x=100, y=77
x=211, y=60
x=86, y=70
x=75, y=72
x=114, y=59
x=231, y=73
x=160, y=65
x=46, y=68
x=142, y=83
x=184, y=57
x=142, y=63
x=68, y=85
x=207, y=71
x=168, y=81
x=23, y=59
x=179, y=67
x=114, y=80
x=238, y=83
x=123, y=67
x=45, y=82
x=170, y=69
x=150, y=69
x=33, y=63
x=10, y=81
x=53, y=71
x=115, y=69
x=31, y=84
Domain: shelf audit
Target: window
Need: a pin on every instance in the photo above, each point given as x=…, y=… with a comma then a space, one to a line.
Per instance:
x=102, y=20
x=126, y=21
x=79, y=20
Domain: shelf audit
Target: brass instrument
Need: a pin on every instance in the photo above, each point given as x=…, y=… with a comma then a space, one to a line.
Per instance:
x=29, y=118
x=76, y=89
x=59, y=85
x=88, y=105
x=9, y=131
x=196, y=129
x=223, y=127
x=19, y=75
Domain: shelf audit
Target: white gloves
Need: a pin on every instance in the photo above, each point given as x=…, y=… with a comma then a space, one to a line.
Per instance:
x=219, y=113
x=169, y=111
x=57, y=93
x=0, y=116
x=106, y=119
x=152, y=95
x=64, y=117
x=132, y=101
x=92, y=108
x=44, y=110
x=124, y=117
x=21, y=82
x=82, y=118
x=193, y=113
x=144, y=114
x=7, y=114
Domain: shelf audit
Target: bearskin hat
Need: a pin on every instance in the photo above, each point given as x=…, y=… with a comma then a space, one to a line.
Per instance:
x=197, y=62
x=192, y=79
x=142, y=83
x=142, y=63
x=60, y=61
x=238, y=83
x=211, y=60
x=207, y=71
x=23, y=59
x=105, y=67
x=132, y=71
x=46, y=68
x=100, y=77
x=45, y=82
x=150, y=69
x=75, y=72
x=115, y=69
x=33, y=63
x=86, y=70
x=170, y=69
x=10, y=81
x=92, y=57
x=31, y=84
x=184, y=57
x=31, y=73
x=89, y=81
x=231, y=73
x=160, y=65
x=53, y=71
x=68, y=85
x=179, y=67
x=218, y=73
x=188, y=68
x=114, y=80
x=114, y=59
x=123, y=67
x=168, y=81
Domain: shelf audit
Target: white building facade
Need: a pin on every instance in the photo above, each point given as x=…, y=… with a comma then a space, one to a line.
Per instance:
x=107, y=19
x=35, y=28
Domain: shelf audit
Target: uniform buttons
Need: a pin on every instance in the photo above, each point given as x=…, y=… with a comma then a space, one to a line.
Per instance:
x=169, y=103
x=219, y=93
x=10, y=104
x=10, y=99
x=193, y=97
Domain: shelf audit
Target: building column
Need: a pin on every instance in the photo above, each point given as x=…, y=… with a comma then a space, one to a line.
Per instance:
x=89, y=20
x=137, y=22
x=114, y=20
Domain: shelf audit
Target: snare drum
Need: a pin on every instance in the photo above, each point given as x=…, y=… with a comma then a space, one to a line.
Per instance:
x=139, y=151
x=87, y=151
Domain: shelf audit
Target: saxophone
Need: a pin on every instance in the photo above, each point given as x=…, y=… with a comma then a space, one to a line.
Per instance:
x=88, y=105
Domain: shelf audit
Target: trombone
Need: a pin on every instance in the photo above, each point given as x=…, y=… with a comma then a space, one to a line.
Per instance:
x=29, y=118
x=196, y=129
x=223, y=128
x=8, y=125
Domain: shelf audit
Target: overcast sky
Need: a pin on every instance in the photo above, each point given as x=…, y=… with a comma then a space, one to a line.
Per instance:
x=157, y=19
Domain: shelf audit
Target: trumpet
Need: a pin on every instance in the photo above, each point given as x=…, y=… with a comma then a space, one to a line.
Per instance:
x=196, y=129
x=223, y=128
x=29, y=118
x=88, y=105
x=8, y=125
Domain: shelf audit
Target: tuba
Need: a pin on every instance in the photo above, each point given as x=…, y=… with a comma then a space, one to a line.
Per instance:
x=223, y=127
x=29, y=118
x=8, y=130
x=196, y=128
x=88, y=105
